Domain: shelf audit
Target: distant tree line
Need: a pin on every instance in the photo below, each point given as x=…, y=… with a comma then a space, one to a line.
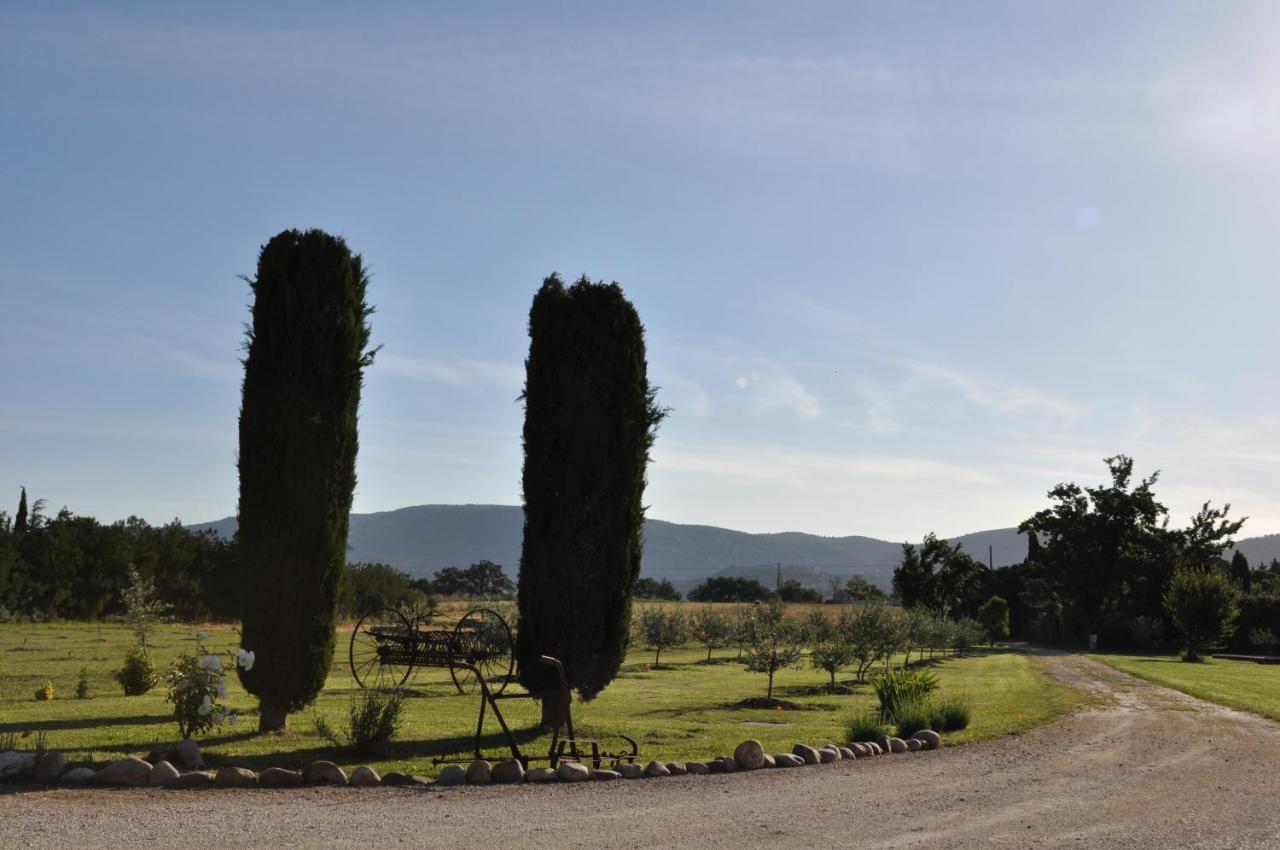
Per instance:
x=74, y=567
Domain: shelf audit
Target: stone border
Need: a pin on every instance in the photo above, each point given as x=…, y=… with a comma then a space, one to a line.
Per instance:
x=50, y=768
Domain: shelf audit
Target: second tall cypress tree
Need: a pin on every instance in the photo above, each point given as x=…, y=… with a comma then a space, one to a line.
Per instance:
x=590, y=419
x=307, y=349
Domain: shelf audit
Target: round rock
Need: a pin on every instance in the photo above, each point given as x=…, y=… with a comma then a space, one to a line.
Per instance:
x=454, y=774
x=131, y=771
x=572, y=771
x=540, y=774
x=279, y=777
x=163, y=775
x=631, y=770
x=929, y=738
x=324, y=773
x=507, y=772
x=749, y=755
x=826, y=756
x=188, y=752
x=697, y=768
x=235, y=777
x=50, y=767
x=676, y=768
x=806, y=753
x=364, y=777
x=605, y=775
x=195, y=779
x=655, y=769
x=479, y=772
x=77, y=776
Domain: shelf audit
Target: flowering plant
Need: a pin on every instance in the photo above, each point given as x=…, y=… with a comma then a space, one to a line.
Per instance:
x=197, y=687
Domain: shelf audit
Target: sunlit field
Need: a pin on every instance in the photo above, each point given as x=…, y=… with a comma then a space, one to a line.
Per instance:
x=1236, y=684
x=683, y=710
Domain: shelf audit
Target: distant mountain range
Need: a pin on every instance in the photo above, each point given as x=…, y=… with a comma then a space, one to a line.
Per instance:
x=425, y=538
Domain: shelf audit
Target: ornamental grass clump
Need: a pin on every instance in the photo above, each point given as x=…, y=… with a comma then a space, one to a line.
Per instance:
x=951, y=715
x=865, y=726
x=902, y=688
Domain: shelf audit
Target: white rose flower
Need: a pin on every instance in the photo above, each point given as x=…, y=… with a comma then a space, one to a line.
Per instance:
x=221, y=688
x=211, y=662
x=245, y=658
x=206, y=705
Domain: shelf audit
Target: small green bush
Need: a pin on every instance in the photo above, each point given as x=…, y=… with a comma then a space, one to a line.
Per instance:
x=952, y=716
x=373, y=721
x=82, y=684
x=914, y=715
x=865, y=727
x=138, y=675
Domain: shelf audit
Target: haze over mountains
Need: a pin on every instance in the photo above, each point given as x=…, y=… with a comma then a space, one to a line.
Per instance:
x=425, y=538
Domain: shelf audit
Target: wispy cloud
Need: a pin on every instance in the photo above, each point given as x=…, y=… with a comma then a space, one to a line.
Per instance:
x=453, y=372
x=770, y=387
x=991, y=393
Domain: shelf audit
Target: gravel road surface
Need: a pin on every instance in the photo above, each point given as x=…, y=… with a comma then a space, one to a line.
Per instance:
x=1147, y=768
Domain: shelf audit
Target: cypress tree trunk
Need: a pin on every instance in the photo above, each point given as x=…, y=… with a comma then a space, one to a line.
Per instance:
x=590, y=418
x=302, y=377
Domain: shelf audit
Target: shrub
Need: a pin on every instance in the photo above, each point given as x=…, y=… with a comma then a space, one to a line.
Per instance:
x=1265, y=640
x=902, y=688
x=712, y=629
x=373, y=720
x=197, y=683
x=82, y=684
x=951, y=715
x=913, y=715
x=994, y=617
x=138, y=675
x=865, y=726
x=45, y=692
x=1202, y=605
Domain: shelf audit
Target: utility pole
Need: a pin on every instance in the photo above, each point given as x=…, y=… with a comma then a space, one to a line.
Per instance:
x=777, y=585
x=991, y=558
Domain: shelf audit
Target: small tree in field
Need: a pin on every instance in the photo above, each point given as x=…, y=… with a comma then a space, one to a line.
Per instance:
x=829, y=650
x=712, y=629
x=994, y=616
x=1202, y=605
x=773, y=642
x=861, y=630
x=659, y=627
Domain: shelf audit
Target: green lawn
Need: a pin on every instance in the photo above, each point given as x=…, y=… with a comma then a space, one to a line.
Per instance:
x=682, y=711
x=1237, y=684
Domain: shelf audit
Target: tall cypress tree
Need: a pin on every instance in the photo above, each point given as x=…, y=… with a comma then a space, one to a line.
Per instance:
x=307, y=349
x=590, y=420
x=20, y=520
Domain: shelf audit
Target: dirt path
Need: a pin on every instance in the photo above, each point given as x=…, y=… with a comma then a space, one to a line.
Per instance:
x=1151, y=768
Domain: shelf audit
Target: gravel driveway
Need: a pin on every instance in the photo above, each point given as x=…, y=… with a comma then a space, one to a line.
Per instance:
x=1148, y=768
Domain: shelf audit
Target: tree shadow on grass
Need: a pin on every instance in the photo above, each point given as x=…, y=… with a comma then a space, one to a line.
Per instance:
x=84, y=723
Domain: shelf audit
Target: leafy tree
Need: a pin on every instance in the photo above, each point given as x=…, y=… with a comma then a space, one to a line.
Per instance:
x=865, y=630
x=793, y=591
x=712, y=629
x=1106, y=553
x=858, y=589
x=366, y=587
x=484, y=580
x=965, y=634
x=590, y=421
x=828, y=649
x=142, y=611
x=307, y=348
x=730, y=589
x=1202, y=604
x=774, y=642
x=1240, y=571
x=940, y=577
x=659, y=627
x=651, y=588
x=994, y=616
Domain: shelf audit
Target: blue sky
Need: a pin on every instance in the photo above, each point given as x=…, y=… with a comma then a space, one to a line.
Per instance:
x=904, y=266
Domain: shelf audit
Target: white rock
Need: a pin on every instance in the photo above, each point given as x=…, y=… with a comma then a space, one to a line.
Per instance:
x=77, y=776
x=808, y=754
x=631, y=770
x=540, y=774
x=163, y=775
x=572, y=771
x=454, y=774
x=479, y=772
x=929, y=738
x=364, y=777
x=655, y=769
x=697, y=768
x=749, y=755
x=127, y=771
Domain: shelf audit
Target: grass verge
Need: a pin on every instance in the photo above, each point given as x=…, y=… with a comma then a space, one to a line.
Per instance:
x=684, y=711
x=1236, y=684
